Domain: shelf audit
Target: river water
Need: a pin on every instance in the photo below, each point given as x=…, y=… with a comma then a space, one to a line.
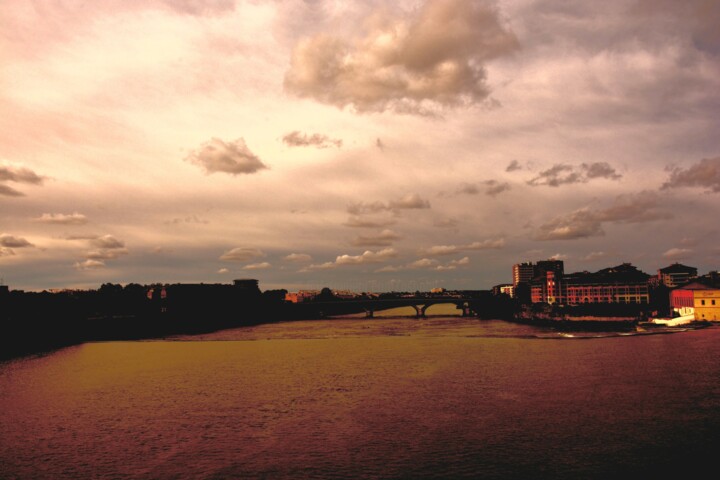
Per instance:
x=360, y=398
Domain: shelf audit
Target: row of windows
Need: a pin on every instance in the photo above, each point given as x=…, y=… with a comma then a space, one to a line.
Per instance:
x=702, y=302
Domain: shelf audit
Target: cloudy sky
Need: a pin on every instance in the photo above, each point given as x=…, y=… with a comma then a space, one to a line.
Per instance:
x=366, y=145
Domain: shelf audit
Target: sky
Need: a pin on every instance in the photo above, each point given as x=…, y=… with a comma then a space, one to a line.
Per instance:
x=361, y=145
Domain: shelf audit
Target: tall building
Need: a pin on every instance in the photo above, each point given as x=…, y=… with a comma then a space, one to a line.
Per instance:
x=676, y=275
x=523, y=273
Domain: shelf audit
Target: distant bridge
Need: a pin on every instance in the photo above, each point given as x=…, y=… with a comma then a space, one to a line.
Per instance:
x=370, y=306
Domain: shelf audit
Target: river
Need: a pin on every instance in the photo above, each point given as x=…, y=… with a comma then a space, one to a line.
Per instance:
x=442, y=397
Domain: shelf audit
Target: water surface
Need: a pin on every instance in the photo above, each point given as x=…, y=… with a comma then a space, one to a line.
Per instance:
x=357, y=398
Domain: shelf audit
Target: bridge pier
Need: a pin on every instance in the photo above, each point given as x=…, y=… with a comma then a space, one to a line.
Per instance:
x=369, y=313
x=419, y=310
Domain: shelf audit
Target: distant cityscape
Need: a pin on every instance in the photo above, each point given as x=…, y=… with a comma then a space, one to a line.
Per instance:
x=540, y=293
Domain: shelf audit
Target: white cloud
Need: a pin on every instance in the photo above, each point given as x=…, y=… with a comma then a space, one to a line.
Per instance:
x=241, y=254
x=257, y=266
x=367, y=256
x=89, y=264
x=298, y=258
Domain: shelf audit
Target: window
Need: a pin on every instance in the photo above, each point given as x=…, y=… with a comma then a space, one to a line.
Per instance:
x=712, y=301
x=702, y=302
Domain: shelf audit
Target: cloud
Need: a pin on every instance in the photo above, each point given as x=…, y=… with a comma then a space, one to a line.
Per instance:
x=594, y=256
x=19, y=175
x=494, y=187
x=107, y=242
x=188, y=219
x=438, y=250
x=363, y=221
x=468, y=189
x=298, y=258
x=231, y=157
x=581, y=223
x=382, y=239
x=379, y=144
x=322, y=266
x=432, y=59
x=446, y=222
x=441, y=250
x=11, y=241
x=297, y=139
x=485, y=244
x=564, y=174
x=9, y=191
x=584, y=222
x=426, y=264
x=241, y=254
x=63, y=219
x=366, y=257
x=106, y=254
x=677, y=253
x=223, y=270
x=257, y=266
x=6, y=252
x=705, y=173
x=410, y=201
x=89, y=264
x=513, y=166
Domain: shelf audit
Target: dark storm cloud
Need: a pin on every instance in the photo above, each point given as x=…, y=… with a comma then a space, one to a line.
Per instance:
x=584, y=222
x=565, y=174
x=298, y=139
x=434, y=57
x=226, y=157
x=705, y=173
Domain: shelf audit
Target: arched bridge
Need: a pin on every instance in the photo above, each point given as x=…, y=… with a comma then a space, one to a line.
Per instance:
x=372, y=305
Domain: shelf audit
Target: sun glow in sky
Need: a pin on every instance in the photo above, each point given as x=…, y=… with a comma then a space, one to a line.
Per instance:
x=364, y=145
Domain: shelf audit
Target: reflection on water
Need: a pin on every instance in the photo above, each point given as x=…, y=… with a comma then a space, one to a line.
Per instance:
x=357, y=398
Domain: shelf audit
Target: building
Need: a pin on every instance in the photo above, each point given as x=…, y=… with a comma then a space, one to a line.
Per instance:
x=523, y=273
x=620, y=284
x=527, y=271
x=623, y=283
x=301, y=296
x=504, y=288
x=675, y=275
x=702, y=299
